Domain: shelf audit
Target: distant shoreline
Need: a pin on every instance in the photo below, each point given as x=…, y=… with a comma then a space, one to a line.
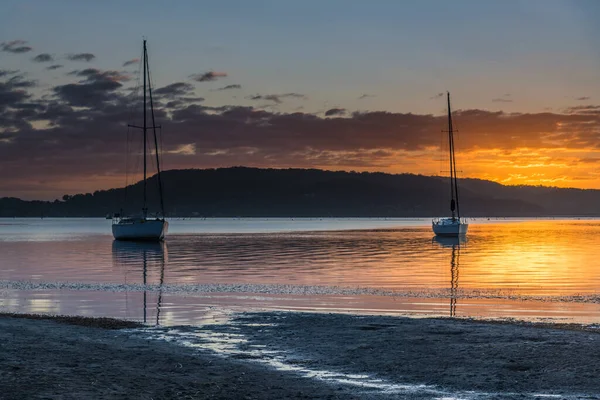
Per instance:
x=542, y=217
x=255, y=192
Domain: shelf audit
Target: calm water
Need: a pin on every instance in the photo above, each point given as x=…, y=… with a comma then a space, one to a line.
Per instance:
x=511, y=268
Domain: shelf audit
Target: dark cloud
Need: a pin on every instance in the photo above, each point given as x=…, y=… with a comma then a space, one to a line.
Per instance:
x=589, y=160
x=365, y=95
x=276, y=98
x=96, y=74
x=505, y=98
x=87, y=94
x=84, y=125
x=97, y=88
x=583, y=110
x=19, y=81
x=10, y=95
x=5, y=72
x=208, y=76
x=87, y=57
x=44, y=57
x=55, y=66
x=176, y=95
x=335, y=111
x=228, y=87
x=15, y=46
x=175, y=89
x=15, y=106
x=583, y=98
x=133, y=61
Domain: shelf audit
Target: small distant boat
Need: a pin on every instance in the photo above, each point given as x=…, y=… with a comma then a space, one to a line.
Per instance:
x=452, y=226
x=141, y=227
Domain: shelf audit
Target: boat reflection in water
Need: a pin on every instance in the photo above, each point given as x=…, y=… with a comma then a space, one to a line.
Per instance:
x=453, y=243
x=145, y=258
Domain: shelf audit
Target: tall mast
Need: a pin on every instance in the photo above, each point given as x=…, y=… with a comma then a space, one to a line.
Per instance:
x=454, y=207
x=145, y=209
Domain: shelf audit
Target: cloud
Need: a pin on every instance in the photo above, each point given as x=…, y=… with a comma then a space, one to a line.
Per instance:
x=14, y=105
x=583, y=110
x=208, y=76
x=96, y=74
x=228, y=87
x=87, y=57
x=97, y=88
x=505, y=98
x=276, y=98
x=335, y=111
x=55, y=66
x=89, y=116
x=437, y=96
x=19, y=81
x=133, y=61
x=583, y=98
x=365, y=95
x=4, y=72
x=184, y=149
x=44, y=57
x=174, y=90
x=177, y=95
x=15, y=46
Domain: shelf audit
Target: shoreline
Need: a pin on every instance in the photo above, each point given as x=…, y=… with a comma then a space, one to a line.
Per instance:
x=111, y=323
x=266, y=355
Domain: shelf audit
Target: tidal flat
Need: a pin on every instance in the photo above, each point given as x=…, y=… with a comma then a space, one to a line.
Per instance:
x=268, y=355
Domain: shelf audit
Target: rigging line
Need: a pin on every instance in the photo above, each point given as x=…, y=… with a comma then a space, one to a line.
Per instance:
x=453, y=159
x=160, y=139
x=450, y=149
x=160, y=187
x=157, y=147
x=457, y=131
x=136, y=179
x=130, y=118
x=126, y=167
x=441, y=163
x=455, y=176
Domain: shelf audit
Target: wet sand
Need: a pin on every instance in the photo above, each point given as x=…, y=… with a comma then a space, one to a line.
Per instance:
x=297, y=356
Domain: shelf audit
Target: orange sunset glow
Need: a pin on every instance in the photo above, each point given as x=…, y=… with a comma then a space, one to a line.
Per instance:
x=525, y=101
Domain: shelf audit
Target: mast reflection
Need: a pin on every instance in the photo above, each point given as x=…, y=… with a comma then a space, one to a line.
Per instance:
x=454, y=243
x=143, y=257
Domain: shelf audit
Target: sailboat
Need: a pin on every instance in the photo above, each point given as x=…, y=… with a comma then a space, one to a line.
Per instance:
x=142, y=227
x=451, y=226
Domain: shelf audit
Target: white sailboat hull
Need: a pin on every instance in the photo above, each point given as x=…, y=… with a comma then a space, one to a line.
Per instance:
x=140, y=229
x=449, y=227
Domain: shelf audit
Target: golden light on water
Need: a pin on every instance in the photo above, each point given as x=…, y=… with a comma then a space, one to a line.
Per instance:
x=530, y=259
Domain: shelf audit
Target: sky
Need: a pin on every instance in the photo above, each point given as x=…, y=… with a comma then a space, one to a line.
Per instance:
x=336, y=84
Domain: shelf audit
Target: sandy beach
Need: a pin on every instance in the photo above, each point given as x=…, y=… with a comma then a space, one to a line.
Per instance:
x=276, y=355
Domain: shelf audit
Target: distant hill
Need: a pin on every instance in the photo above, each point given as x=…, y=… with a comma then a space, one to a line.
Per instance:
x=254, y=192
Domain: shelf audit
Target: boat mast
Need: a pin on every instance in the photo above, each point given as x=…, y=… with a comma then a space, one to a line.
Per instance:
x=145, y=209
x=454, y=207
